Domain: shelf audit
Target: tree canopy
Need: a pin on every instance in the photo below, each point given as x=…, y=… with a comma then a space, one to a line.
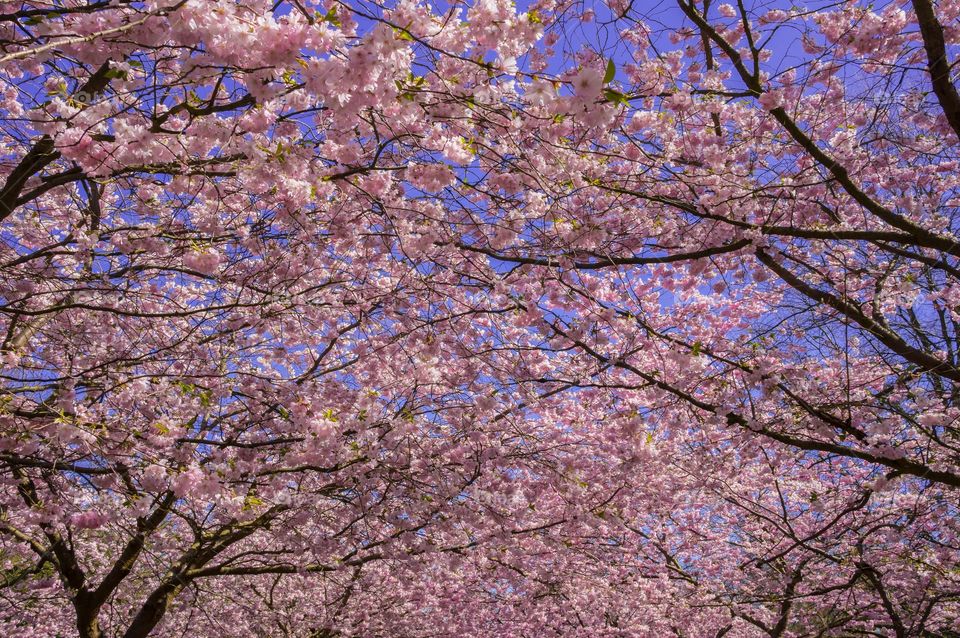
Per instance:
x=357, y=319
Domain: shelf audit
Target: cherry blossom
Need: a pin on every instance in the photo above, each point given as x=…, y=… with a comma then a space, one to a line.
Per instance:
x=547, y=319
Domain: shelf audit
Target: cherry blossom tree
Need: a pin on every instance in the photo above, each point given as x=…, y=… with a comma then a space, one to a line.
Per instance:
x=410, y=319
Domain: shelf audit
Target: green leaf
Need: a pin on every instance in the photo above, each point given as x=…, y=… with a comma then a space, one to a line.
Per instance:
x=611, y=72
x=615, y=97
x=696, y=348
x=251, y=501
x=331, y=17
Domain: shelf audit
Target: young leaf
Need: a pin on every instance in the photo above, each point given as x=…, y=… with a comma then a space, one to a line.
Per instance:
x=611, y=72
